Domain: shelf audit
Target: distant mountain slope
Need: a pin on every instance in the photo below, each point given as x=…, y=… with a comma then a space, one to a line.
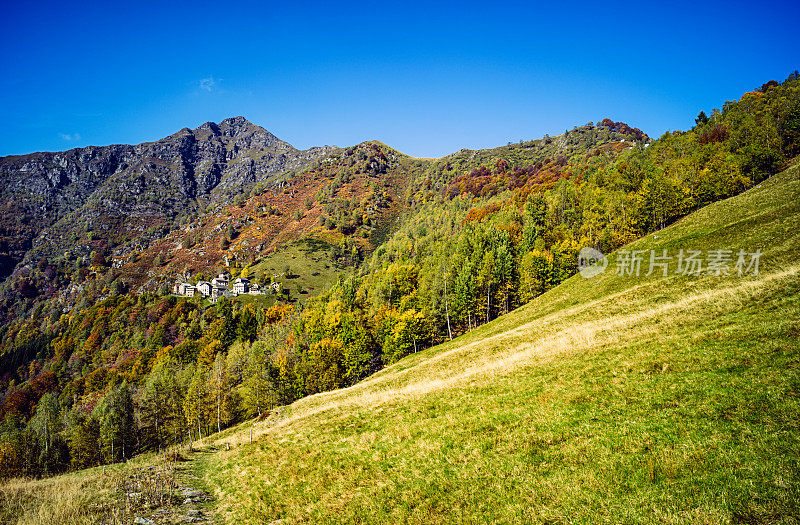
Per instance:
x=113, y=193
x=336, y=202
x=620, y=398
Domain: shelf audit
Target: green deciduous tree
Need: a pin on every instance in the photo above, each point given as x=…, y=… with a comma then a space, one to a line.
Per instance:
x=117, y=425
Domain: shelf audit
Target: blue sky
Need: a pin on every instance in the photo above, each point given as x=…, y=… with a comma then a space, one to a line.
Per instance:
x=425, y=78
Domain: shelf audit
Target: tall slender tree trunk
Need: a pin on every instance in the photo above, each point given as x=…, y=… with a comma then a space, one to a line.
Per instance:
x=258, y=394
x=199, y=429
x=488, y=300
x=447, y=310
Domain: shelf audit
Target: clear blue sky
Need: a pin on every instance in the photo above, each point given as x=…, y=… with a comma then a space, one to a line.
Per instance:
x=425, y=78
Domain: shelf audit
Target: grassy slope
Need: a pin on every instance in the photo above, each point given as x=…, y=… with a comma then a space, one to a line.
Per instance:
x=309, y=263
x=609, y=399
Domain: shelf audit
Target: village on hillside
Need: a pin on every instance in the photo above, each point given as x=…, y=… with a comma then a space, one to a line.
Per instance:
x=220, y=286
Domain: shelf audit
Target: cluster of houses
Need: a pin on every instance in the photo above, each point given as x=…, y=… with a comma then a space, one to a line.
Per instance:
x=219, y=287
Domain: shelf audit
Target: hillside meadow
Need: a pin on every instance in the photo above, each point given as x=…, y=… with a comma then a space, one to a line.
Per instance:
x=621, y=399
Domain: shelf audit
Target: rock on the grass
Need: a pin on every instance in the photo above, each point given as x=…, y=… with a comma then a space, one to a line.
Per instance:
x=142, y=521
x=188, y=492
x=191, y=495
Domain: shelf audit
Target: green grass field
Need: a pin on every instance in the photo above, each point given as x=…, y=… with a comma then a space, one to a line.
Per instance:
x=616, y=399
x=310, y=268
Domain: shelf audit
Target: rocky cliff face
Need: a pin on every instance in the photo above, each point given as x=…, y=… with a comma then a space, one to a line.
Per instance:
x=50, y=201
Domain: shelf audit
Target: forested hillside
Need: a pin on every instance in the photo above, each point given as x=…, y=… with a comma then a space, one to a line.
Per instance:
x=100, y=362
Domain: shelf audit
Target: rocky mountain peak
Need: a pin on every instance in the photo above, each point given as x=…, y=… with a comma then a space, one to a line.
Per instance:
x=240, y=131
x=237, y=123
x=206, y=128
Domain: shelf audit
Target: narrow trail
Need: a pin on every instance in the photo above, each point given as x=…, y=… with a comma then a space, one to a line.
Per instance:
x=198, y=505
x=171, y=491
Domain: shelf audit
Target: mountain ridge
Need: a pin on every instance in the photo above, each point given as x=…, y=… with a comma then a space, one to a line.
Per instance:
x=214, y=162
x=227, y=122
x=134, y=195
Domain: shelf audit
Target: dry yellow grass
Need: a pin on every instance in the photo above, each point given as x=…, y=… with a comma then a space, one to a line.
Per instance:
x=75, y=498
x=113, y=495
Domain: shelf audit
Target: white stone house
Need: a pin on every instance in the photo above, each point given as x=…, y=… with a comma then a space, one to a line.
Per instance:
x=219, y=281
x=204, y=287
x=218, y=291
x=241, y=286
x=184, y=289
